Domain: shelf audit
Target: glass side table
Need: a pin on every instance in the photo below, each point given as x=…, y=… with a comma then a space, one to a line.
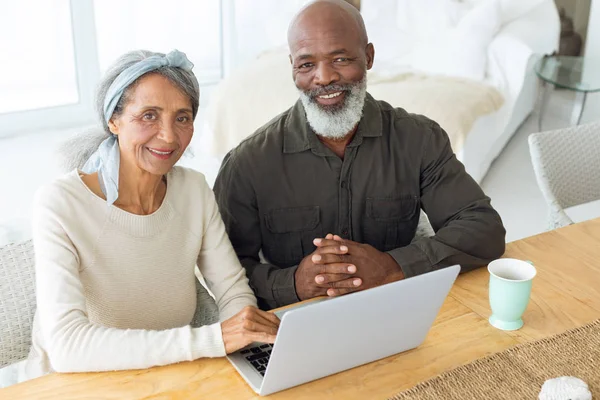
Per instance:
x=579, y=74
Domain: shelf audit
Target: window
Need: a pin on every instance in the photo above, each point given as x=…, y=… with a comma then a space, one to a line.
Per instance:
x=38, y=69
x=55, y=51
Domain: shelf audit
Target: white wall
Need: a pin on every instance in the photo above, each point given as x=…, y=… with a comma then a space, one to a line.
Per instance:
x=28, y=162
x=592, y=51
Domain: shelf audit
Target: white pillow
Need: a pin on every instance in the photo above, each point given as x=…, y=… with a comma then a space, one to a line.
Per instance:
x=459, y=50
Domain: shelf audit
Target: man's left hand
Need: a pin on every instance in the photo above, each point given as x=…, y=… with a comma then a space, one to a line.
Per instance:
x=374, y=267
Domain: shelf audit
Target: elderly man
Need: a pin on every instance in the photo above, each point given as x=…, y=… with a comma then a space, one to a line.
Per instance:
x=330, y=191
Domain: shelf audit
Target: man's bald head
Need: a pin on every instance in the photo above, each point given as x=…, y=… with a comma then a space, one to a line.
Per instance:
x=330, y=56
x=324, y=13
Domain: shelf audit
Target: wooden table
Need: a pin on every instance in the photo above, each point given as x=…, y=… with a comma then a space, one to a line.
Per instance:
x=566, y=294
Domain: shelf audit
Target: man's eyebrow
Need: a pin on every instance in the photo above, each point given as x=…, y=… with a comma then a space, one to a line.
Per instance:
x=332, y=53
x=304, y=56
x=338, y=51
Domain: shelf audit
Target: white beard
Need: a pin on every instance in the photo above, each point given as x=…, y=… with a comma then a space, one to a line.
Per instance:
x=335, y=123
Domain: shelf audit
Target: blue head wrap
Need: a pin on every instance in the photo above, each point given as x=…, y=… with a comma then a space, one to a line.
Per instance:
x=106, y=159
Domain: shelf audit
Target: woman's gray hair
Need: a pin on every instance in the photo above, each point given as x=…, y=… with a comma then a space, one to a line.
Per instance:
x=78, y=149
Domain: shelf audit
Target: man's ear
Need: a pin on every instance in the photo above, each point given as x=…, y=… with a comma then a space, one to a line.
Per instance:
x=370, y=51
x=114, y=128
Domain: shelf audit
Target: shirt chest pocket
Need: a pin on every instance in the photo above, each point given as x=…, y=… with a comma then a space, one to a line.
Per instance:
x=390, y=222
x=291, y=232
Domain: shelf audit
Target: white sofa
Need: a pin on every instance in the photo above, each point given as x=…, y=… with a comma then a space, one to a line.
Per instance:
x=480, y=113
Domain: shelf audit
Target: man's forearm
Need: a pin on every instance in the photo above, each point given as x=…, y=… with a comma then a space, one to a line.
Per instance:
x=470, y=243
x=273, y=286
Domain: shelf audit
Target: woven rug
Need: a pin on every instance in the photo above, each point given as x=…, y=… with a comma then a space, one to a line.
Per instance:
x=519, y=372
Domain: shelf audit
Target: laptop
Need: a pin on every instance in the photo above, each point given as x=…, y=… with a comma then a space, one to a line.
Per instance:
x=324, y=337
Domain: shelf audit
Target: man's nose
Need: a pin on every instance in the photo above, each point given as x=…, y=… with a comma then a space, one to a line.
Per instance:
x=326, y=74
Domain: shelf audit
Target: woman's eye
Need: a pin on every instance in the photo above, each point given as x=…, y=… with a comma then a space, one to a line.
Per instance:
x=183, y=119
x=149, y=116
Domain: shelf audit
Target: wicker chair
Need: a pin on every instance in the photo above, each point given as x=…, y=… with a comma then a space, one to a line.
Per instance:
x=424, y=229
x=207, y=312
x=17, y=301
x=567, y=167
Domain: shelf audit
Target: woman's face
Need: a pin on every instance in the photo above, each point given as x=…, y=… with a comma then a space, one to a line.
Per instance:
x=156, y=125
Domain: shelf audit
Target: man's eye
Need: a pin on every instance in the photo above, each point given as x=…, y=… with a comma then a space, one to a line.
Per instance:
x=306, y=65
x=341, y=59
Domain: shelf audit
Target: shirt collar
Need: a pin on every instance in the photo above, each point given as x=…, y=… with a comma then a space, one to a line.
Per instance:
x=298, y=135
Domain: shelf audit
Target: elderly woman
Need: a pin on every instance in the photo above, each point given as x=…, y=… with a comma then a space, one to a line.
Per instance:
x=117, y=243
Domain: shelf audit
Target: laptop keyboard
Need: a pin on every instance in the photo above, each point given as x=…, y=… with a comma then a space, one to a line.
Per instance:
x=258, y=357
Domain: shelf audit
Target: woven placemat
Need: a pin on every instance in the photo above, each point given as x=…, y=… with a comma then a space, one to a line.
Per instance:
x=519, y=372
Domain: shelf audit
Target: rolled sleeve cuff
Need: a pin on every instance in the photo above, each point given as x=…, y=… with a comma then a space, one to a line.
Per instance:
x=412, y=260
x=207, y=341
x=284, y=286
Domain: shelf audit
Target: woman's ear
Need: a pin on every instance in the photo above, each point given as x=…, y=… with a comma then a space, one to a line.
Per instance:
x=114, y=128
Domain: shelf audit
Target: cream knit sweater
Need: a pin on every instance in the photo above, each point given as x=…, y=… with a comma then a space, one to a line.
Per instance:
x=116, y=290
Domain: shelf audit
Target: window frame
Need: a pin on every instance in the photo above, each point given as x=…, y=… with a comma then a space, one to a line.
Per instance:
x=87, y=71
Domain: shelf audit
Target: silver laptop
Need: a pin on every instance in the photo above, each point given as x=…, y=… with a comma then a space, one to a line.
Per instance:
x=322, y=338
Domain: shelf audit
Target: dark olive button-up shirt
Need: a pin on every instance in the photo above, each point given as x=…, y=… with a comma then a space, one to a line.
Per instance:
x=281, y=188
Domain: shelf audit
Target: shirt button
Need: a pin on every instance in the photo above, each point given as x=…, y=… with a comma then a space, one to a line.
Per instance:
x=344, y=185
x=345, y=232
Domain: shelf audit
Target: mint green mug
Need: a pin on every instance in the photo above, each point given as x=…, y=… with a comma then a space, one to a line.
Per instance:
x=510, y=290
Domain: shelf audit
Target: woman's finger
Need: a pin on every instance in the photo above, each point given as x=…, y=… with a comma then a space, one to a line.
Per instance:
x=270, y=317
x=257, y=314
x=261, y=337
x=259, y=326
x=266, y=318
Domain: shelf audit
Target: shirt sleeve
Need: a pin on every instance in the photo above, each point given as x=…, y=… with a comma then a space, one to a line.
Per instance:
x=274, y=286
x=219, y=264
x=468, y=230
x=73, y=343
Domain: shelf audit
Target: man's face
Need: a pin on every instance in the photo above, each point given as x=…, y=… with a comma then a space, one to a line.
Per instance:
x=330, y=62
x=327, y=60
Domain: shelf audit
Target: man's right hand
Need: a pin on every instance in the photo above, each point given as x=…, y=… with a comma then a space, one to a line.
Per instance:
x=313, y=277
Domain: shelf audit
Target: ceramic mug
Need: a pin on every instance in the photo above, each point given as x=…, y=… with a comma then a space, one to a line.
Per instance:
x=510, y=290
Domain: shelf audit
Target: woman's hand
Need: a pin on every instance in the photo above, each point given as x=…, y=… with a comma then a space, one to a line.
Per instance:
x=247, y=326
